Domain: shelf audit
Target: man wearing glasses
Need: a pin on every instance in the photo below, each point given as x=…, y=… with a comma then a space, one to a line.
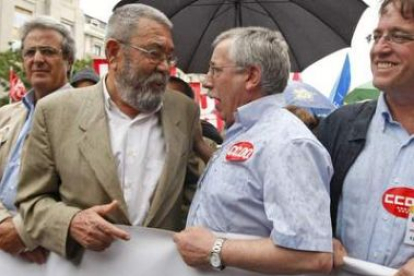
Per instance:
x=270, y=177
x=372, y=148
x=115, y=152
x=48, y=51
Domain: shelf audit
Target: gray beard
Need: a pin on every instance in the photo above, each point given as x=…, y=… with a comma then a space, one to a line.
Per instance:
x=137, y=91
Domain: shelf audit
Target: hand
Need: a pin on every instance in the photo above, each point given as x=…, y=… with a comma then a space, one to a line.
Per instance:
x=407, y=269
x=9, y=238
x=339, y=252
x=92, y=231
x=39, y=255
x=194, y=245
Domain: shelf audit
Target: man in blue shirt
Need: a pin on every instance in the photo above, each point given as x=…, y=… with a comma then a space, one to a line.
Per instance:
x=372, y=148
x=48, y=51
x=269, y=179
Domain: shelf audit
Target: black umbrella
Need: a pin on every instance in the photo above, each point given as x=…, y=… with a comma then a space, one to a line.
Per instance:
x=312, y=28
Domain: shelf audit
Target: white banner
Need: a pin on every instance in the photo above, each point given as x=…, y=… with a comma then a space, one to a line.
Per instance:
x=150, y=252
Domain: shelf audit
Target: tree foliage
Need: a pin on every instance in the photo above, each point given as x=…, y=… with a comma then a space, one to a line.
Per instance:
x=10, y=59
x=81, y=64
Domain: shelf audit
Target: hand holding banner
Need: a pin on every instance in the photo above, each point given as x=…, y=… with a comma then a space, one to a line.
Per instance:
x=149, y=252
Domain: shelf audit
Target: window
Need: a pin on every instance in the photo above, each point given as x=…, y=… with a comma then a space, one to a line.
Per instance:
x=21, y=16
x=95, y=22
x=96, y=50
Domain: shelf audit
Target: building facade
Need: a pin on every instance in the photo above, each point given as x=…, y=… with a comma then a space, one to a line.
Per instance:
x=87, y=31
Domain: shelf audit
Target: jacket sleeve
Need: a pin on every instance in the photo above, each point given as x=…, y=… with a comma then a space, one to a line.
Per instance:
x=46, y=219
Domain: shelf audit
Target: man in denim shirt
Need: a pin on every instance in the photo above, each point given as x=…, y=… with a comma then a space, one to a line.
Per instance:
x=270, y=177
x=372, y=149
x=48, y=51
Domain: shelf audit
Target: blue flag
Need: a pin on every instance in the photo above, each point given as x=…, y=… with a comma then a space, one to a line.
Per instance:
x=342, y=84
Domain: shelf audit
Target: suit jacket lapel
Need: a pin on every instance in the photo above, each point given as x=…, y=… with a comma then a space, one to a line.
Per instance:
x=95, y=147
x=165, y=192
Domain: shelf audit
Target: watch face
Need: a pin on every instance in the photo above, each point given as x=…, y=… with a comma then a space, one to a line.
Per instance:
x=215, y=260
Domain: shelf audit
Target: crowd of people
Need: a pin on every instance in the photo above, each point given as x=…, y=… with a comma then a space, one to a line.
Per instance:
x=80, y=155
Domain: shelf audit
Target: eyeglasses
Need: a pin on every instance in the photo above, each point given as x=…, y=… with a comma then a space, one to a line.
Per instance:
x=216, y=70
x=393, y=37
x=154, y=55
x=45, y=51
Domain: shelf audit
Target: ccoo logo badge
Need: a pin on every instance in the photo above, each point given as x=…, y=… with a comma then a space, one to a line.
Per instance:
x=240, y=151
x=398, y=201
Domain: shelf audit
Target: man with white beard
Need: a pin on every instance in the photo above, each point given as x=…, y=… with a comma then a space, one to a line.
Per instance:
x=115, y=152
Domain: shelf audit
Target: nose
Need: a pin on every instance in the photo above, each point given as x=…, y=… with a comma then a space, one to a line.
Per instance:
x=38, y=57
x=382, y=46
x=164, y=66
x=207, y=81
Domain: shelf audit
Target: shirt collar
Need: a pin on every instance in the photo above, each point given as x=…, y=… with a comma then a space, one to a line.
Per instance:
x=250, y=113
x=29, y=101
x=108, y=101
x=384, y=112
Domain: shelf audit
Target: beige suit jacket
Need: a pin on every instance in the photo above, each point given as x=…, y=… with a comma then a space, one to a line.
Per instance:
x=69, y=166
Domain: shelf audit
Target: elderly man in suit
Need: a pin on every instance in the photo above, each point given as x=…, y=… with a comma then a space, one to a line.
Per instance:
x=48, y=51
x=113, y=153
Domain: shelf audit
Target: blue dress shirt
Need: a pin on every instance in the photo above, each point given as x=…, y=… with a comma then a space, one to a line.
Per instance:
x=366, y=228
x=274, y=184
x=8, y=184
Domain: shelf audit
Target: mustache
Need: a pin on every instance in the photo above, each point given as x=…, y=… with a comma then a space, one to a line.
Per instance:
x=156, y=77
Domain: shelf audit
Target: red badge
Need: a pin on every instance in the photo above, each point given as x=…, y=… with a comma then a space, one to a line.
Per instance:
x=240, y=151
x=398, y=201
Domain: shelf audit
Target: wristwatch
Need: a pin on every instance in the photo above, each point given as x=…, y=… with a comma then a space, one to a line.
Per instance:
x=215, y=254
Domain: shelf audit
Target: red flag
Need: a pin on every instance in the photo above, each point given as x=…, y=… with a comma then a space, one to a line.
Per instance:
x=17, y=89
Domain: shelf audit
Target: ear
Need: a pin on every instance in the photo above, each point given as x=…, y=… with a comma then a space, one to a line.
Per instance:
x=254, y=77
x=112, y=51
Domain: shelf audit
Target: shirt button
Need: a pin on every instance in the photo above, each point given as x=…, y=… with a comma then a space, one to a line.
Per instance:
x=375, y=254
x=385, y=218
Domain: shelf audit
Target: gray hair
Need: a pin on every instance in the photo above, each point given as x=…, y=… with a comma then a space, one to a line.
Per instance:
x=125, y=20
x=406, y=7
x=49, y=23
x=260, y=47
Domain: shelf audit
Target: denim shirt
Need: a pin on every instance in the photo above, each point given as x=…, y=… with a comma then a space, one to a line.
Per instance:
x=270, y=178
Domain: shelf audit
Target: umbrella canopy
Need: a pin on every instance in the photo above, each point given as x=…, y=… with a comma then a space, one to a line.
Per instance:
x=304, y=95
x=362, y=93
x=312, y=28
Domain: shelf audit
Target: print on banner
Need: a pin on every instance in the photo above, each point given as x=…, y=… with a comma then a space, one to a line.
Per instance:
x=240, y=151
x=398, y=200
